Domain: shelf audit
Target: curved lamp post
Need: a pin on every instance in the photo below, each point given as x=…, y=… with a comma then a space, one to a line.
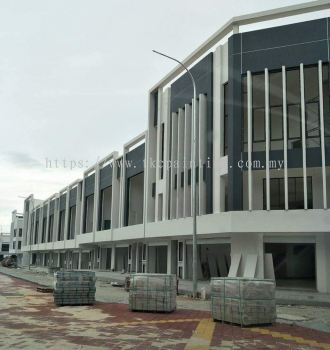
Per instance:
x=193, y=171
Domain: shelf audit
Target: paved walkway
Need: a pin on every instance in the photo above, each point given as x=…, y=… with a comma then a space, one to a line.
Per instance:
x=283, y=296
x=30, y=320
x=313, y=317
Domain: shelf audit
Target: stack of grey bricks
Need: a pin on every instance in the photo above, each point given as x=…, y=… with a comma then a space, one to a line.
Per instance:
x=244, y=301
x=74, y=288
x=152, y=292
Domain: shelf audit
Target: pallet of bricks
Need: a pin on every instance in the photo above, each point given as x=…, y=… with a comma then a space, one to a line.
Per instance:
x=152, y=292
x=243, y=301
x=74, y=288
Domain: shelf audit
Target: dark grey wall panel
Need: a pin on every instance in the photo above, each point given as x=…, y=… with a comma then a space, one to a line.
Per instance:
x=89, y=185
x=45, y=209
x=106, y=176
x=289, y=56
x=62, y=202
x=38, y=214
x=52, y=207
x=135, y=159
x=182, y=93
x=235, y=180
x=286, y=35
x=289, y=45
x=73, y=197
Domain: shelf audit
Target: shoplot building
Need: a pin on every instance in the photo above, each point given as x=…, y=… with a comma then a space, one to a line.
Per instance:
x=263, y=99
x=16, y=236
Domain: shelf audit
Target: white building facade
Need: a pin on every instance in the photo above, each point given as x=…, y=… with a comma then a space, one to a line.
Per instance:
x=263, y=172
x=16, y=236
x=4, y=244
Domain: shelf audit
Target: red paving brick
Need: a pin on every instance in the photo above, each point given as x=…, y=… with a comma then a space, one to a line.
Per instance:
x=30, y=320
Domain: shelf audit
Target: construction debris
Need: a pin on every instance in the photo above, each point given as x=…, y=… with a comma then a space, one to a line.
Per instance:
x=152, y=292
x=9, y=261
x=43, y=289
x=74, y=288
x=243, y=301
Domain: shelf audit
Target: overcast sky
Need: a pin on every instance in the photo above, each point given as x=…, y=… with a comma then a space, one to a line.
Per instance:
x=75, y=75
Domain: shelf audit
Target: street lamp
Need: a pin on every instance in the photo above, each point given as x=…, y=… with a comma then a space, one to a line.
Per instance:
x=193, y=171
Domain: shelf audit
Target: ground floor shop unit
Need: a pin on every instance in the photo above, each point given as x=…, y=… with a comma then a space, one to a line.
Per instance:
x=299, y=261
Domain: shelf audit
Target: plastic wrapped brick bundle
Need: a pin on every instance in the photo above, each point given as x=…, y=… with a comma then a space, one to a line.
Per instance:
x=243, y=301
x=74, y=288
x=243, y=288
x=152, y=292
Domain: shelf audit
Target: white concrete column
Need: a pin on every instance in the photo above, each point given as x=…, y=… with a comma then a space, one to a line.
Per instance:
x=78, y=212
x=40, y=225
x=96, y=200
x=122, y=190
x=56, y=217
x=115, y=195
x=194, y=166
x=218, y=127
x=79, y=260
x=303, y=132
x=249, y=245
x=67, y=211
x=82, y=207
x=322, y=263
x=180, y=158
x=137, y=257
x=324, y=174
x=47, y=222
x=184, y=261
x=187, y=159
x=173, y=191
x=285, y=139
x=167, y=133
x=250, y=179
x=113, y=257
x=202, y=136
x=169, y=257
x=267, y=138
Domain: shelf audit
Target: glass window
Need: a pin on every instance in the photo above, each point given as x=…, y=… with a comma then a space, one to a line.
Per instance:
x=36, y=231
x=293, y=105
x=295, y=193
x=105, y=210
x=293, y=86
x=60, y=236
x=72, y=222
x=275, y=89
x=312, y=106
x=258, y=90
x=326, y=103
x=50, y=228
x=276, y=123
x=259, y=125
x=294, y=126
x=225, y=126
x=180, y=250
x=89, y=211
x=276, y=110
x=43, y=237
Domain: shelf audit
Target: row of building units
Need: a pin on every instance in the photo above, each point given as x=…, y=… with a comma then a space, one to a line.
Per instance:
x=76, y=213
x=260, y=130
x=300, y=261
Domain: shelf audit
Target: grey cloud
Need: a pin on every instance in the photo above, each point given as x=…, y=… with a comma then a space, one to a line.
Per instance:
x=20, y=159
